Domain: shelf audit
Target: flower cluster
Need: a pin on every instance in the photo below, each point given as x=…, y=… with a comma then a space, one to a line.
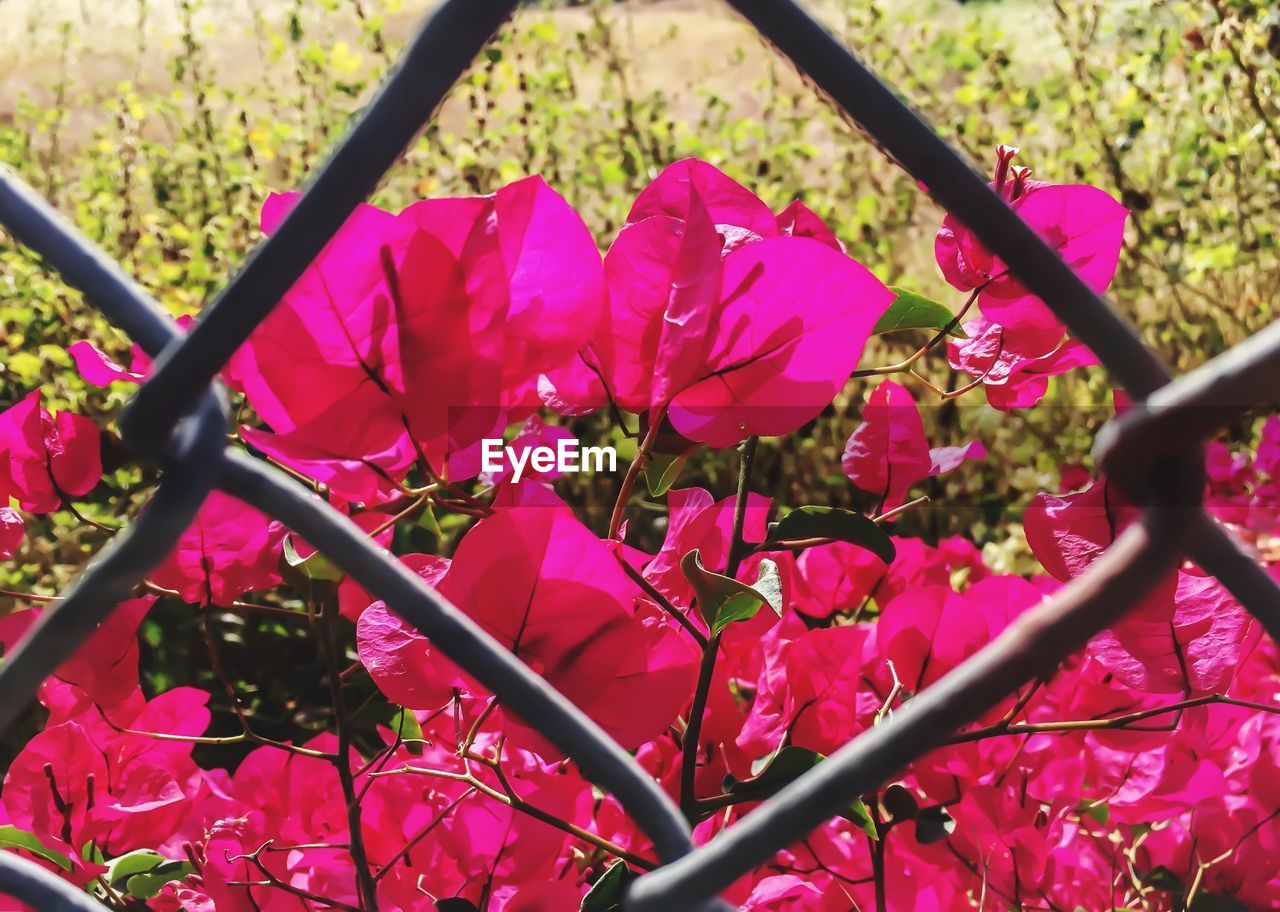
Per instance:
x=757, y=639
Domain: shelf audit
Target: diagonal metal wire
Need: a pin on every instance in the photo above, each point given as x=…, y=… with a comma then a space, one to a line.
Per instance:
x=1032, y=646
x=178, y=419
x=961, y=190
x=31, y=884
x=70, y=622
x=444, y=48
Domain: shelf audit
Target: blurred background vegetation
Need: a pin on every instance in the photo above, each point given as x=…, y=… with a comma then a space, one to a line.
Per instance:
x=159, y=126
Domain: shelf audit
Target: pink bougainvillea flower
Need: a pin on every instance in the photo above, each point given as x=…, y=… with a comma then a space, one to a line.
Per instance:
x=1267, y=460
x=927, y=631
x=1229, y=478
x=696, y=520
x=888, y=452
x=836, y=577
x=45, y=458
x=399, y=658
x=1011, y=376
x=488, y=839
x=782, y=893
x=56, y=758
x=737, y=213
x=229, y=549
x=104, y=670
x=720, y=318
x=470, y=299
x=283, y=797
x=1084, y=224
x=1198, y=647
x=1188, y=634
x=798, y=220
x=1070, y=532
x=825, y=672
x=844, y=577
x=98, y=369
x=352, y=597
x=331, y=369
x=114, y=782
x=554, y=594
x=12, y=530
x=533, y=434
x=534, y=280
x=1072, y=477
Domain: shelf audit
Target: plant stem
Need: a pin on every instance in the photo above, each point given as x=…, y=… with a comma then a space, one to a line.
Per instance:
x=737, y=547
x=633, y=472
x=518, y=804
x=29, y=596
x=707, y=668
x=1007, y=727
x=662, y=601
x=689, y=759
x=877, y=847
x=927, y=347
x=423, y=833
x=1112, y=722
x=365, y=884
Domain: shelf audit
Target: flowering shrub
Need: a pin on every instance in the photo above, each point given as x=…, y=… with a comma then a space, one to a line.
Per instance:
x=1142, y=774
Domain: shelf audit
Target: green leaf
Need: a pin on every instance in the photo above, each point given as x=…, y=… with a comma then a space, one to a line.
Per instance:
x=427, y=519
x=13, y=838
x=405, y=724
x=723, y=600
x=857, y=814
x=143, y=873
x=316, y=567
x=606, y=893
x=834, y=523
x=662, y=470
x=769, y=585
x=910, y=310
x=1099, y=812
x=785, y=767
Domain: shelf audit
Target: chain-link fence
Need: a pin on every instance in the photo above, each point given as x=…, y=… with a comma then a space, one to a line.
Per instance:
x=179, y=419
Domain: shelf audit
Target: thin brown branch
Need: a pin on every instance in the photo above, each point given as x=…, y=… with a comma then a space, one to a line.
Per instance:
x=521, y=806
x=662, y=601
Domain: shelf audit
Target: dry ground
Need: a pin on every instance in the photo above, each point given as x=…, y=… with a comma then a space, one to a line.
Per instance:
x=110, y=42
x=95, y=44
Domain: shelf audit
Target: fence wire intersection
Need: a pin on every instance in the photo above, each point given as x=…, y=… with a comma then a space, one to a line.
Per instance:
x=178, y=419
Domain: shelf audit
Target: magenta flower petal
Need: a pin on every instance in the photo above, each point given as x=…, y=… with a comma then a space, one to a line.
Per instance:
x=46, y=458
x=97, y=368
x=732, y=208
x=12, y=532
x=798, y=220
x=1084, y=224
x=793, y=318
x=888, y=452
x=228, y=550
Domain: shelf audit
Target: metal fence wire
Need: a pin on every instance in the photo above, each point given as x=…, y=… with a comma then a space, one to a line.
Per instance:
x=179, y=419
